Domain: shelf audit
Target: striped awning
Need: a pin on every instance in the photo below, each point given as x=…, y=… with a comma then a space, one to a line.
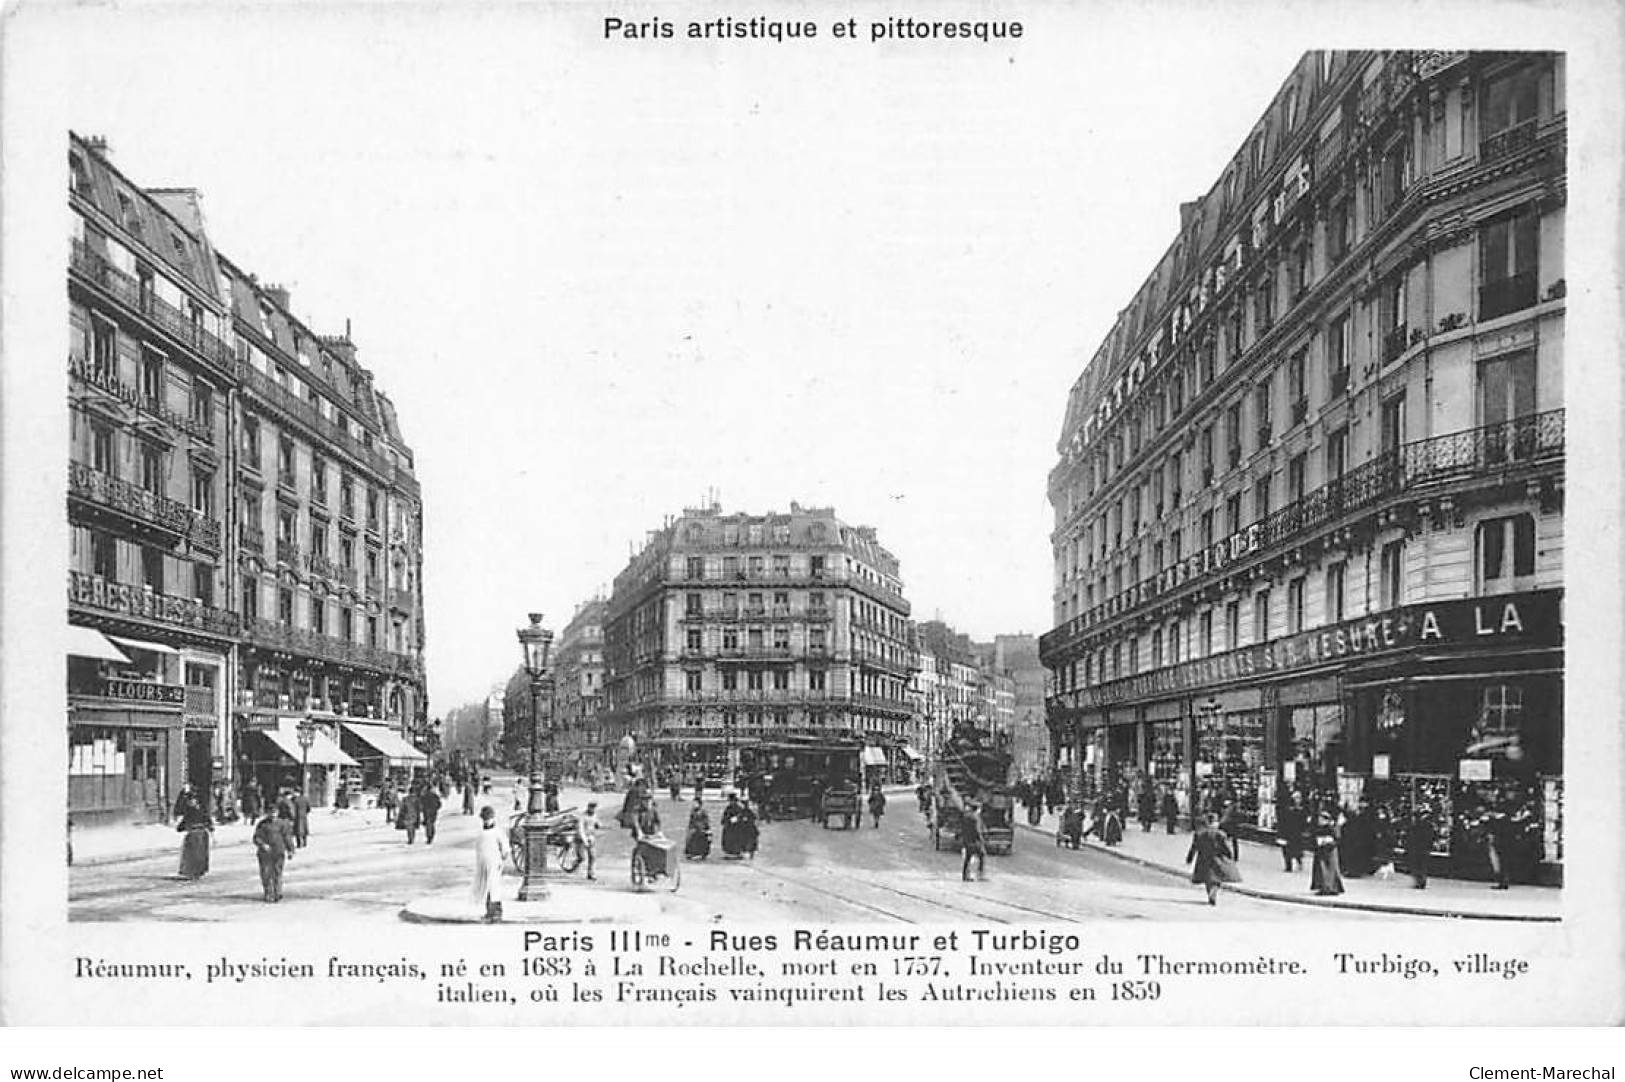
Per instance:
x=90, y=643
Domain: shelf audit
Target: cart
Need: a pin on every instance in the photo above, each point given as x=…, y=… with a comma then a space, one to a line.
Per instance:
x=998, y=823
x=655, y=858
x=841, y=802
x=562, y=831
x=945, y=824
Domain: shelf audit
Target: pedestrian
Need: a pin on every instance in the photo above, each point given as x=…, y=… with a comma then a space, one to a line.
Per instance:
x=1071, y=829
x=1214, y=858
x=195, y=824
x=341, y=796
x=1498, y=846
x=1170, y=809
x=1289, y=829
x=1355, y=848
x=429, y=810
x=739, y=832
x=973, y=841
x=468, y=796
x=1230, y=826
x=301, y=817
x=674, y=785
x=550, y=798
x=1147, y=807
x=697, y=842
x=1055, y=796
x=273, y=846
x=490, y=850
x=587, y=828
x=646, y=817
x=1325, y=876
x=1382, y=842
x=253, y=800
x=922, y=795
x=409, y=816
x=1419, y=846
x=387, y=801
x=877, y=804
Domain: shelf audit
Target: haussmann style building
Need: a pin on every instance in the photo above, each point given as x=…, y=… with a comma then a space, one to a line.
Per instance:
x=246, y=529
x=760, y=643
x=1309, y=499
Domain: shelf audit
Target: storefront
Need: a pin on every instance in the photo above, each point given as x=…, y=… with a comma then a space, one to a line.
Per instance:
x=271, y=752
x=381, y=752
x=127, y=736
x=1166, y=763
x=1230, y=750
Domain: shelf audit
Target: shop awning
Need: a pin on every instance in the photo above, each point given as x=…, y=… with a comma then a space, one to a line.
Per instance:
x=873, y=756
x=386, y=742
x=88, y=642
x=911, y=754
x=140, y=644
x=323, y=752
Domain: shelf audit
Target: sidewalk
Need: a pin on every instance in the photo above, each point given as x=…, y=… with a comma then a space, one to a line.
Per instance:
x=1264, y=877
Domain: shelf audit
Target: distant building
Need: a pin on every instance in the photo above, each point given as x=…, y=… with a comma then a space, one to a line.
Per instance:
x=729, y=633
x=579, y=682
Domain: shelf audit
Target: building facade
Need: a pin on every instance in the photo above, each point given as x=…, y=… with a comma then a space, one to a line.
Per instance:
x=1308, y=507
x=244, y=519
x=579, y=680
x=1016, y=656
x=735, y=632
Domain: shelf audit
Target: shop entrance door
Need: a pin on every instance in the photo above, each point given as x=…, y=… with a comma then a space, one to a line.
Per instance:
x=200, y=762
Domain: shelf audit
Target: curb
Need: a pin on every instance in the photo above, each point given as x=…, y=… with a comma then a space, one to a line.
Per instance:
x=130, y=857
x=1320, y=903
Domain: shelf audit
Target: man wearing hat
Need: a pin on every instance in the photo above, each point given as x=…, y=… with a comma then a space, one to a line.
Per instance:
x=588, y=827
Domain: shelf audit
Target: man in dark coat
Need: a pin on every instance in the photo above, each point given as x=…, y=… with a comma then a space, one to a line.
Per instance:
x=274, y=846
x=1147, y=808
x=1214, y=858
x=409, y=816
x=429, y=809
x=301, y=818
x=1419, y=838
x=1170, y=809
x=1290, y=824
x=973, y=840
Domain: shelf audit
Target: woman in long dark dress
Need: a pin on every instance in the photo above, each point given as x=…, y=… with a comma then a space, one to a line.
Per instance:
x=196, y=825
x=1214, y=859
x=738, y=829
x=697, y=843
x=1326, y=876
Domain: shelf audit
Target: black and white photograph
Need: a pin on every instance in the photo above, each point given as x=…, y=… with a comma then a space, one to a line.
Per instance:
x=787, y=480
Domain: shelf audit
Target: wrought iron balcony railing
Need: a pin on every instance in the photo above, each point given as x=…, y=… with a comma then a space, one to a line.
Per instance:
x=128, y=291
x=134, y=502
x=1507, y=141
x=1453, y=458
x=313, y=644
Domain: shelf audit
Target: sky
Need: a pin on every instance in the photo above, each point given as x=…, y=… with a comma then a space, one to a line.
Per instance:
x=601, y=279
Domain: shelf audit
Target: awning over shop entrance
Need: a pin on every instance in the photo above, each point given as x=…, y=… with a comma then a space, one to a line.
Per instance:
x=285, y=738
x=88, y=642
x=911, y=754
x=386, y=742
x=873, y=756
x=142, y=644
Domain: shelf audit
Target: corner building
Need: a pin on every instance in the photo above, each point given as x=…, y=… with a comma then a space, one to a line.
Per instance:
x=759, y=640
x=246, y=530
x=1309, y=496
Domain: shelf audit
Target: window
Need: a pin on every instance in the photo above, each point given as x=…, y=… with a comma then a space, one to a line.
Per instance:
x=754, y=638
x=152, y=377
x=286, y=519
x=1174, y=479
x=347, y=497
x=1232, y=515
x=1133, y=656
x=692, y=604
x=1174, y=546
x=1232, y=625
x=101, y=449
x=347, y=553
x=1233, y=434
x=318, y=538
x=1264, y=304
x=691, y=679
x=203, y=403
x=817, y=567
x=284, y=459
x=730, y=680
x=1393, y=575
x=152, y=469
x=781, y=679
x=1508, y=259
x=1176, y=395
x=781, y=638
x=1393, y=423
x=1337, y=453
x=284, y=605
x=1295, y=387
x=1339, y=232
x=1173, y=643
x=1206, y=445
x=251, y=443
x=753, y=680
x=753, y=534
x=1500, y=715
x=318, y=478
x=756, y=565
x=695, y=567
x=1297, y=474
x=781, y=602
x=815, y=680
x=781, y=567
x=347, y=624
x=1207, y=633
x=692, y=639
x=1207, y=529
x=754, y=604
x=816, y=602
x=730, y=638
x=1392, y=320
x=372, y=632
x=103, y=555
x=372, y=509
x=730, y=567
x=1294, y=606
x=318, y=616
x=103, y=348
x=1261, y=616
x=1261, y=499
x=251, y=599
x=1508, y=104
x=816, y=640
x=1156, y=648
x=1336, y=583
x=1506, y=553
x=203, y=493
x=1337, y=356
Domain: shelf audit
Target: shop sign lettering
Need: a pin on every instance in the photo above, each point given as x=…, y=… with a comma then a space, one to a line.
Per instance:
x=141, y=691
x=1531, y=617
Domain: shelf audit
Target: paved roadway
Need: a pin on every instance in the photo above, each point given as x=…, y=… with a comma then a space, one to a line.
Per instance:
x=801, y=873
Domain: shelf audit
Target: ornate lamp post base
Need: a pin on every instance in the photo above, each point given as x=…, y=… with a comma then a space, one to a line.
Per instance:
x=534, y=887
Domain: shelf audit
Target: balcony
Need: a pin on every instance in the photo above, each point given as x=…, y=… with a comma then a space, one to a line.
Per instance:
x=103, y=379
x=251, y=539
x=332, y=572
x=1300, y=411
x=200, y=701
x=1508, y=141
x=287, y=552
x=1506, y=295
x=1264, y=435
x=279, y=636
x=1442, y=460
x=1340, y=382
x=305, y=412
x=94, y=592
x=149, y=509
x=1234, y=457
x=402, y=600
x=1329, y=152
x=127, y=290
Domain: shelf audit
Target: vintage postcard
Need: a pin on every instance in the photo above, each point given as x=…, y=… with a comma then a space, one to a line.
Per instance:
x=811, y=513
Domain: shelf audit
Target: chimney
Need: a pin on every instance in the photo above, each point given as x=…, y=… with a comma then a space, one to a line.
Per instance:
x=97, y=145
x=279, y=294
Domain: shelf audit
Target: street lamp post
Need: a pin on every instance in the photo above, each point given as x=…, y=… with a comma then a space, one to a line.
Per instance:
x=306, y=731
x=535, y=642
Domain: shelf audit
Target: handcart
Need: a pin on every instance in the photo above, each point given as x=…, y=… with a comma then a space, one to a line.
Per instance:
x=655, y=858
